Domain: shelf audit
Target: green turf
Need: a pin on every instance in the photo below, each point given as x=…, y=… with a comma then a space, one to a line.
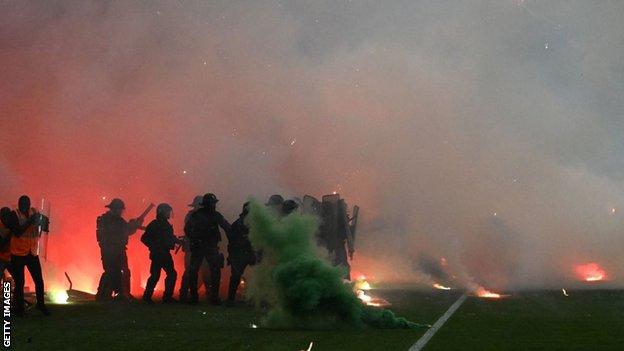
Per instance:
x=586, y=320
x=92, y=326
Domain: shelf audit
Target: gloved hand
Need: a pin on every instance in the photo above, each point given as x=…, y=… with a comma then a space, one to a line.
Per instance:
x=35, y=219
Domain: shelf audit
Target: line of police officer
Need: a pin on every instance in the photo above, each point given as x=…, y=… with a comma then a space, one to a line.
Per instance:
x=201, y=242
x=20, y=230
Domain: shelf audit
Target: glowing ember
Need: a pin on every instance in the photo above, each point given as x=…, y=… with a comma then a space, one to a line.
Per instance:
x=440, y=286
x=590, y=272
x=370, y=300
x=59, y=296
x=565, y=293
x=484, y=293
x=362, y=296
x=362, y=284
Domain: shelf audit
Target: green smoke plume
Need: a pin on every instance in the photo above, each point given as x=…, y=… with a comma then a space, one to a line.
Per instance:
x=302, y=289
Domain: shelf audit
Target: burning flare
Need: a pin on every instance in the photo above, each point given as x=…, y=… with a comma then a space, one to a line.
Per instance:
x=360, y=288
x=370, y=300
x=362, y=284
x=440, y=286
x=364, y=297
x=590, y=272
x=484, y=293
x=59, y=297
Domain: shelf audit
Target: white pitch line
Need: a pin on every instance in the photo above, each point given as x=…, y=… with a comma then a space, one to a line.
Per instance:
x=420, y=344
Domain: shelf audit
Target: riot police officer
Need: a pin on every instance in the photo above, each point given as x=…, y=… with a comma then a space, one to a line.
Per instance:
x=112, y=235
x=202, y=229
x=288, y=207
x=204, y=272
x=160, y=240
x=240, y=253
x=275, y=204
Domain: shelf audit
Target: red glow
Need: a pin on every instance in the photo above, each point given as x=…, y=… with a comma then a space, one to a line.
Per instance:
x=487, y=294
x=590, y=272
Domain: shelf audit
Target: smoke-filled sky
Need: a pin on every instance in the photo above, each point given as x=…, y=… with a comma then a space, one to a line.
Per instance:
x=485, y=132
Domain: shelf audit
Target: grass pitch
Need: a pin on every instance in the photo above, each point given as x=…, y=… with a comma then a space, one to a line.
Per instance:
x=542, y=320
x=586, y=320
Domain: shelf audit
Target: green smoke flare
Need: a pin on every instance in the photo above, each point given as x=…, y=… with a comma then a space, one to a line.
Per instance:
x=302, y=289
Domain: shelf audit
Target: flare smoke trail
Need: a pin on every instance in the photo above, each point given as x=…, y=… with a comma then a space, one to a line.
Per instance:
x=304, y=290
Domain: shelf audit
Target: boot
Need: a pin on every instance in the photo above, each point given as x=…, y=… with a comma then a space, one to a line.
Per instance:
x=148, y=300
x=41, y=307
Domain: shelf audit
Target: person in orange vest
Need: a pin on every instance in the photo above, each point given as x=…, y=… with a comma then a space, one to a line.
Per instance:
x=25, y=226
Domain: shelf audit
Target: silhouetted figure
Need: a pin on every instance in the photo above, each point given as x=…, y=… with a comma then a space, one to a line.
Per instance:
x=240, y=253
x=288, y=207
x=160, y=240
x=113, y=233
x=25, y=225
x=5, y=240
x=275, y=204
x=344, y=248
x=202, y=229
x=336, y=231
x=204, y=272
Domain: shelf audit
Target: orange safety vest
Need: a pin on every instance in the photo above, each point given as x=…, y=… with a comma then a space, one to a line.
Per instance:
x=5, y=251
x=28, y=242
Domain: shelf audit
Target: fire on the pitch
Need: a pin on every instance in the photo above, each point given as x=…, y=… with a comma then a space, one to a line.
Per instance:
x=487, y=294
x=440, y=286
x=362, y=289
x=590, y=272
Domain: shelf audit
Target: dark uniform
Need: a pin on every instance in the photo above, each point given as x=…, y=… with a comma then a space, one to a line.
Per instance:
x=112, y=235
x=275, y=204
x=202, y=230
x=240, y=252
x=288, y=207
x=160, y=240
x=5, y=239
x=204, y=272
x=335, y=232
